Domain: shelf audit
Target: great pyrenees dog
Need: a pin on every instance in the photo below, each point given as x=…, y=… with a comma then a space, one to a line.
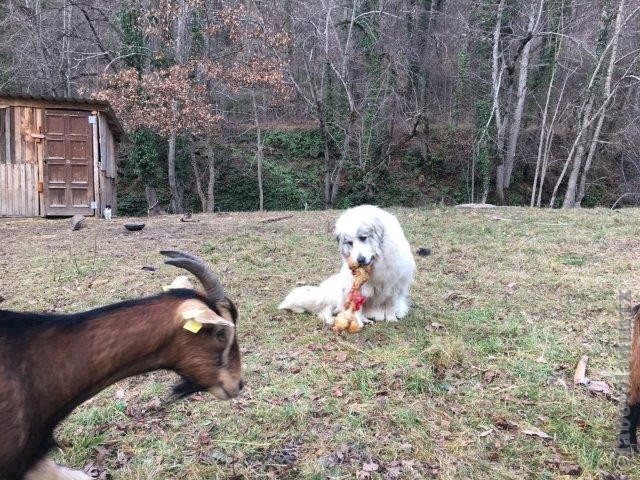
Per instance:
x=366, y=235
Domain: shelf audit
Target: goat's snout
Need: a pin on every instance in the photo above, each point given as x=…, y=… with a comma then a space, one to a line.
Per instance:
x=229, y=386
x=235, y=390
x=227, y=392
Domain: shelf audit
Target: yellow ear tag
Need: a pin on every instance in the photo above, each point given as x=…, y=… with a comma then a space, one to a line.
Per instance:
x=192, y=326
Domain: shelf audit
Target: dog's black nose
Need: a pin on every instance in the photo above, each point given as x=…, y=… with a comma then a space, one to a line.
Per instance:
x=241, y=385
x=361, y=260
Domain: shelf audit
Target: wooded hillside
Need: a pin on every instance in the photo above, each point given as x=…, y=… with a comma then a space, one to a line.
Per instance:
x=241, y=105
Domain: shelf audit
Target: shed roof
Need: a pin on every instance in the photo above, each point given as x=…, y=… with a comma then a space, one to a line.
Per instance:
x=79, y=103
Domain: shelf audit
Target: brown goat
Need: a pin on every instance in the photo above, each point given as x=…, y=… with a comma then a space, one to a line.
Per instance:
x=50, y=364
x=628, y=439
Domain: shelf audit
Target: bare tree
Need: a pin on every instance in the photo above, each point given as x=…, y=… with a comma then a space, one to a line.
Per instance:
x=529, y=99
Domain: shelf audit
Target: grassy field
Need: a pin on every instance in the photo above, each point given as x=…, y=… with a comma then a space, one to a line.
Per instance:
x=504, y=307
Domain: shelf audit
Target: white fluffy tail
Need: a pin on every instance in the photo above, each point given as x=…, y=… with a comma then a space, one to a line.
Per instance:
x=47, y=470
x=305, y=299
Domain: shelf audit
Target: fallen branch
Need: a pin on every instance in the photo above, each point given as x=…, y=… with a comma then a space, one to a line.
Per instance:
x=276, y=219
x=580, y=374
x=475, y=205
x=623, y=196
x=596, y=387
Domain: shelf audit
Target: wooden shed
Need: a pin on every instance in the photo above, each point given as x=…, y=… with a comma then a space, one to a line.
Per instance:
x=57, y=156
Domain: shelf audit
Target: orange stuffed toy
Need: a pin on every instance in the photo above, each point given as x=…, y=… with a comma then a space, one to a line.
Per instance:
x=346, y=319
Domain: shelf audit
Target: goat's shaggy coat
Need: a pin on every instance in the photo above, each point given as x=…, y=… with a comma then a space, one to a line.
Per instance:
x=50, y=364
x=628, y=438
x=366, y=235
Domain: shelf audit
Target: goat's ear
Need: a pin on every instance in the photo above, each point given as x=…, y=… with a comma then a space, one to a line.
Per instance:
x=195, y=316
x=227, y=309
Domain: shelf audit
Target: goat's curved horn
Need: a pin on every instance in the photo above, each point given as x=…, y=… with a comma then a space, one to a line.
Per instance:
x=179, y=254
x=193, y=264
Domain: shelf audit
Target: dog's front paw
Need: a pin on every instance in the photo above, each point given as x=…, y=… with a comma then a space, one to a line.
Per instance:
x=327, y=317
x=401, y=308
x=375, y=314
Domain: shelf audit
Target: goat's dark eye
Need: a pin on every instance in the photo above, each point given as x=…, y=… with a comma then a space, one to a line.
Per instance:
x=362, y=238
x=349, y=242
x=221, y=335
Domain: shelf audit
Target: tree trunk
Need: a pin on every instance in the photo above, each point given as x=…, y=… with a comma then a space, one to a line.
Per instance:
x=548, y=143
x=544, y=131
x=324, y=133
x=587, y=165
x=44, y=57
x=196, y=175
x=66, y=47
x=259, y=151
x=206, y=199
x=152, y=199
x=496, y=82
x=585, y=114
x=344, y=155
x=176, y=200
x=212, y=179
x=593, y=146
x=521, y=96
x=328, y=167
x=181, y=45
x=570, y=194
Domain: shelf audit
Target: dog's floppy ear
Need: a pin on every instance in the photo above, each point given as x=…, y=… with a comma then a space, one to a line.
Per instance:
x=377, y=230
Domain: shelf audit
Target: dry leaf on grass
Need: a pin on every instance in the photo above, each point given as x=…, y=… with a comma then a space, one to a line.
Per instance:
x=536, y=432
x=95, y=472
x=485, y=433
x=505, y=424
x=566, y=468
x=341, y=357
x=370, y=467
x=122, y=459
x=214, y=457
x=490, y=375
x=561, y=383
x=570, y=468
x=598, y=387
x=101, y=455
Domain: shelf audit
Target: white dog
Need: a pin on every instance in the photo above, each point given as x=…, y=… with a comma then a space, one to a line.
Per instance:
x=367, y=235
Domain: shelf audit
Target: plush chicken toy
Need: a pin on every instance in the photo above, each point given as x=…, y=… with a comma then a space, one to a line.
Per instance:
x=346, y=319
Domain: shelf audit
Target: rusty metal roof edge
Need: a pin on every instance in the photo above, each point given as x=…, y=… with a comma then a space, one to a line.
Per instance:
x=120, y=133
x=53, y=98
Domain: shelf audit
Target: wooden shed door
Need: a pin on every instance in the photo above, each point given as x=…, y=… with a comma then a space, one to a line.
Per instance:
x=68, y=163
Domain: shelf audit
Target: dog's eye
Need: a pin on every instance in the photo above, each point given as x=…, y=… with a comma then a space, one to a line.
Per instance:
x=221, y=335
x=362, y=238
x=349, y=242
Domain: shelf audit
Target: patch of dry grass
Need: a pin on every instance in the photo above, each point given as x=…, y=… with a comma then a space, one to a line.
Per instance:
x=506, y=304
